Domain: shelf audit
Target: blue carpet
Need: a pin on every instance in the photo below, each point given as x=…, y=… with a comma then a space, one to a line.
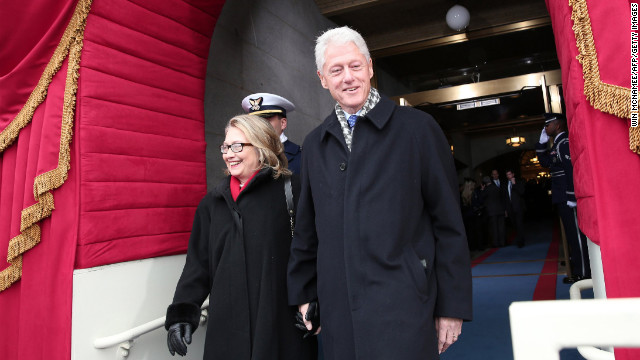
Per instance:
x=521, y=268
x=531, y=251
x=488, y=336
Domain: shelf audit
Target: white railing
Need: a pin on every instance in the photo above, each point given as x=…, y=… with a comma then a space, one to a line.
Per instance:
x=588, y=352
x=125, y=339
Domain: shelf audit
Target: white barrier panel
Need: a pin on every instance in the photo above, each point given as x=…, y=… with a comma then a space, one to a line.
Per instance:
x=116, y=298
x=540, y=329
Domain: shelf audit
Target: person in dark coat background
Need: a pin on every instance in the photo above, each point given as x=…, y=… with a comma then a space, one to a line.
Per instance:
x=494, y=205
x=274, y=109
x=238, y=254
x=471, y=207
x=515, y=206
x=379, y=240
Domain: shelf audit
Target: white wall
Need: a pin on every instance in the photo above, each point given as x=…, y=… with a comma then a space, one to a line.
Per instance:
x=110, y=299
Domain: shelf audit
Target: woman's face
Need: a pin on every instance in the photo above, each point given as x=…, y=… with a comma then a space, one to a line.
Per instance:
x=242, y=164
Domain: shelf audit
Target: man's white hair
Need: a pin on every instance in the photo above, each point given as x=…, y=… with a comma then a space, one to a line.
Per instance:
x=339, y=36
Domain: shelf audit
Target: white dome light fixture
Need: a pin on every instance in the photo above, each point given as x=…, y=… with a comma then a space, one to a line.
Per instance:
x=458, y=17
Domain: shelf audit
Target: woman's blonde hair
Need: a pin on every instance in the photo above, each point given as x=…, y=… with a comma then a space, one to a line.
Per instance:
x=265, y=141
x=467, y=191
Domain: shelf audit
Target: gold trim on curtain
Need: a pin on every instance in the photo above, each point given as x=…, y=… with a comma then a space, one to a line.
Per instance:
x=70, y=45
x=610, y=99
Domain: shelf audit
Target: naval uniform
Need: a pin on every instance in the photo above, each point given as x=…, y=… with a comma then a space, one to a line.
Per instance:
x=293, y=152
x=267, y=105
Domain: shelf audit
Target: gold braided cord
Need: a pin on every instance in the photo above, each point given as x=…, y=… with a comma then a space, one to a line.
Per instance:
x=634, y=139
x=610, y=99
x=71, y=46
x=11, y=274
x=39, y=93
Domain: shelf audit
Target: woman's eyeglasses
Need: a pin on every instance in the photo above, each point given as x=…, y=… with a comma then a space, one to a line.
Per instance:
x=236, y=147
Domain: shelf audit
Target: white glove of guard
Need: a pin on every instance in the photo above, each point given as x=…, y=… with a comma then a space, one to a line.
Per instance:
x=544, y=138
x=572, y=204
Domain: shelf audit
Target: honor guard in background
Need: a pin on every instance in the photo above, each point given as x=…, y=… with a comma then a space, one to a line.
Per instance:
x=558, y=160
x=274, y=109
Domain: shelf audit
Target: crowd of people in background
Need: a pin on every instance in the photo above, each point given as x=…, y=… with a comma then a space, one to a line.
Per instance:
x=496, y=203
x=488, y=207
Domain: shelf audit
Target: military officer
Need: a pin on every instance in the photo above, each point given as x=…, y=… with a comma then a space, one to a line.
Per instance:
x=274, y=109
x=558, y=160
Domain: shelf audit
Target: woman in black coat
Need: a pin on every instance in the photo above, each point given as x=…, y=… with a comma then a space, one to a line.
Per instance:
x=238, y=254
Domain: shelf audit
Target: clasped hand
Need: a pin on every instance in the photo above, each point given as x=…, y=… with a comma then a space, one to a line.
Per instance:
x=310, y=324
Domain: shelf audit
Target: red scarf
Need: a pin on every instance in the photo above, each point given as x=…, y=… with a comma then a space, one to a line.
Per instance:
x=234, y=184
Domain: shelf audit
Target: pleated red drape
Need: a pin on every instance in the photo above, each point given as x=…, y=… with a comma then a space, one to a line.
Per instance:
x=137, y=155
x=605, y=169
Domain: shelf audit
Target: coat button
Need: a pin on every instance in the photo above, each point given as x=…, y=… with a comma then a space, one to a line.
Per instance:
x=343, y=166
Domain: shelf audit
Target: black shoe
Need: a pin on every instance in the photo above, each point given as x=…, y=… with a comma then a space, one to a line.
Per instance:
x=520, y=245
x=572, y=279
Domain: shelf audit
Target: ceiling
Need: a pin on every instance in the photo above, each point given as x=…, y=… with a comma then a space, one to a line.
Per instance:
x=410, y=43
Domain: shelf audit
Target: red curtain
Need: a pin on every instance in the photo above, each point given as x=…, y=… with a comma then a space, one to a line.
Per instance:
x=137, y=155
x=605, y=169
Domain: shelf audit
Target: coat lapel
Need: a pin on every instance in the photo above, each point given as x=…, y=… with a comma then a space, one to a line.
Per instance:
x=331, y=126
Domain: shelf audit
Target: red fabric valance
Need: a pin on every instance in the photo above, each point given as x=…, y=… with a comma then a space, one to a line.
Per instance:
x=135, y=169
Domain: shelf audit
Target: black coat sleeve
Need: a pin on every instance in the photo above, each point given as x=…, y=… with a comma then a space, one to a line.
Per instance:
x=301, y=274
x=195, y=281
x=440, y=194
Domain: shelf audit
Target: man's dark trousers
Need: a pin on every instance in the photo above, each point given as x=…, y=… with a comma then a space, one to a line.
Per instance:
x=577, y=242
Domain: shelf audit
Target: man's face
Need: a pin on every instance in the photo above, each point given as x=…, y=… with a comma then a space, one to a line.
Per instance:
x=347, y=74
x=279, y=124
x=509, y=175
x=552, y=127
x=495, y=175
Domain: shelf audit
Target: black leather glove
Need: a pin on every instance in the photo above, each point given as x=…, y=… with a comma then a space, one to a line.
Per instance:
x=178, y=336
x=313, y=315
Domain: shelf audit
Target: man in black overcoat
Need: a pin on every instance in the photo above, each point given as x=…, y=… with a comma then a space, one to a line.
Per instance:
x=515, y=206
x=379, y=240
x=494, y=205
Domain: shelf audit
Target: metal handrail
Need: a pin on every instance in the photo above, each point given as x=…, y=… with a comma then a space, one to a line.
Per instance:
x=578, y=286
x=125, y=338
x=588, y=352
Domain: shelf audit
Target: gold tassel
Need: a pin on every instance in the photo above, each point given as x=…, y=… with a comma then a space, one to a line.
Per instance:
x=634, y=139
x=11, y=274
x=70, y=45
x=610, y=99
